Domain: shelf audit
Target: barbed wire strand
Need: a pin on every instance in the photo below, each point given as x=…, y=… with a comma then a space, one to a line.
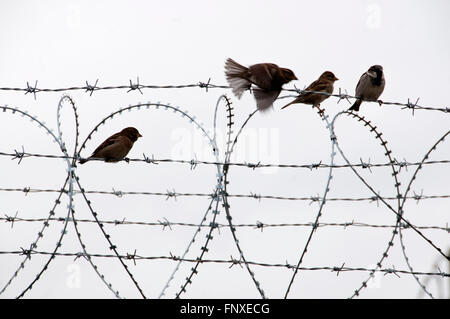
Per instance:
x=20, y=155
x=258, y=225
x=229, y=150
x=253, y=195
x=208, y=85
x=234, y=261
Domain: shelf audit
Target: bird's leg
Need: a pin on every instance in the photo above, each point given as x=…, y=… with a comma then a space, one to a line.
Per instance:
x=127, y=160
x=320, y=110
x=380, y=102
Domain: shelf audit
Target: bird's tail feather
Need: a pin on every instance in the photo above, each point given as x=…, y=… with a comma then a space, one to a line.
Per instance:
x=290, y=103
x=237, y=75
x=355, y=106
x=234, y=68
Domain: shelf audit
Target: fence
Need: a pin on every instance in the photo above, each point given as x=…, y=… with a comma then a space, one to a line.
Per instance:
x=219, y=199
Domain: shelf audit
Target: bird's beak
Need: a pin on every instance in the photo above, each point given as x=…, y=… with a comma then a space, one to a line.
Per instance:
x=336, y=79
x=139, y=135
x=295, y=78
x=371, y=74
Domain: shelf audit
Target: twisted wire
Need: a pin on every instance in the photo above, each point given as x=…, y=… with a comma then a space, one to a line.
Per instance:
x=220, y=193
x=233, y=262
x=90, y=89
x=258, y=225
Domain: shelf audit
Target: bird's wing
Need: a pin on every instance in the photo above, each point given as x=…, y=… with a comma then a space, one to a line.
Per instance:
x=109, y=141
x=311, y=97
x=265, y=99
x=316, y=86
x=363, y=86
x=359, y=81
x=263, y=75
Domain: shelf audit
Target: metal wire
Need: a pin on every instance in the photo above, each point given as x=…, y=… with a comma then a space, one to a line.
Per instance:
x=258, y=225
x=231, y=262
x=220, y=193
x=89, y=88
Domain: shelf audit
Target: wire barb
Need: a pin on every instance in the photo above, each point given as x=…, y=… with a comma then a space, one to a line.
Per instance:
x=19, y=155
x=135, y=86
x=91, y=88
x=204, y=85
x=32, y=89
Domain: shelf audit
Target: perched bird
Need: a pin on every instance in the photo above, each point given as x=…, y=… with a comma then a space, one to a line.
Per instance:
x=115, y=147
x=325, y=83
x=267, y=77
x=369, y=87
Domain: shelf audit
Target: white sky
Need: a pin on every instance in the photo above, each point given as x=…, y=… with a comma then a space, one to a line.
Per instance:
x=66, y=43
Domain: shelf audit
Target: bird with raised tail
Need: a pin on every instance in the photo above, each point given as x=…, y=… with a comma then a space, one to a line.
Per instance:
x=312, y=96
x=369, y=87
x=268, y=79
x=115, y=147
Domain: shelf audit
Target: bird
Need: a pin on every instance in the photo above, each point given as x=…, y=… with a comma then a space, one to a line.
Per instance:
x=268, y=78
x=115, y=147
x=369, y=87
x=325, y=83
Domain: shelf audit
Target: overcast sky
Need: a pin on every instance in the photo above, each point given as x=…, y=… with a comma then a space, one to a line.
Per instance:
x=66, y=43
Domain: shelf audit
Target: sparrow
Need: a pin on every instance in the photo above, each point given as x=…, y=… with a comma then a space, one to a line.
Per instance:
x=115, y=147
x=369, y=87
x=267, y=77
x=325, y=83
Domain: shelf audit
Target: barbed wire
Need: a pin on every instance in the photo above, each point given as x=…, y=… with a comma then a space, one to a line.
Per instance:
x=230, y=144
x=232, y=262
x=408, y=188
x=387, y=153
x=258, y=225
x=20, y=155
x=215, y=212
x=399, y=212
x=69, y=179
x=254, y=195
x=136, y=86
x=220, y=194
